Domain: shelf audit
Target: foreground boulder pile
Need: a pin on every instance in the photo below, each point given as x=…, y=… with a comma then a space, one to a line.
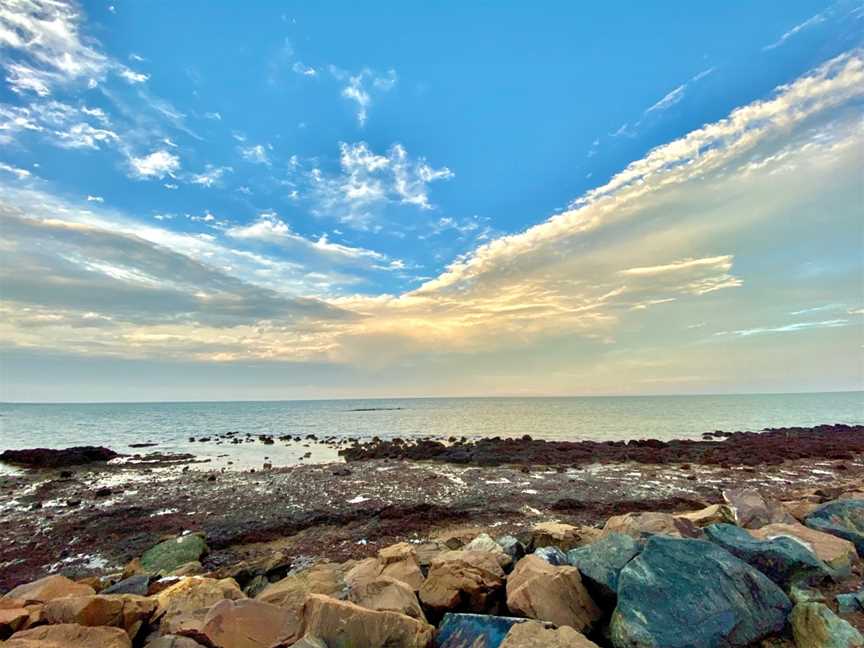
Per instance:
x=749, y=573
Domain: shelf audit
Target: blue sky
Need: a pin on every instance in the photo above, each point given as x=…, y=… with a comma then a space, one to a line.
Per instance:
x=316, y=199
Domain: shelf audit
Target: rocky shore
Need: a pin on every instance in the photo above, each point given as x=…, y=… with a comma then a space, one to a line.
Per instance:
x=392, y=549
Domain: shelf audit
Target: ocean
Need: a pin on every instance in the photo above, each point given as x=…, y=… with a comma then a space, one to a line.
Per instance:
x=170, y=425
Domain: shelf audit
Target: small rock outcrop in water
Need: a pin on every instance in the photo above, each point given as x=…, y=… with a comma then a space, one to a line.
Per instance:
x=51, y=458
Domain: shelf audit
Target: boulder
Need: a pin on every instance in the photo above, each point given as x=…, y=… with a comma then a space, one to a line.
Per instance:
x=815, y=626
x=52, y=458
x=837, y=553
x=716, y=513
x=691, y=593
x=469, y=581
x=640, y=525
x=183, y=606
x=534, y=634
x=308, y=642
x=14, y=616
x=474, y=630
x=290, y=592
x=247, y=623
x=841, y=518
x=384, y=593
x=552, y=555
x=484, y=542
x=801, y=508
x=852, y=602
x=133, y=585
x=127, y=611
x=555, y=534
x=69, y=635
x=545, y=592
x=512, y=547
x=173, y=641
x=167, y=556
x=601, y=562
x=48, y=588
x=399, y=561
x=780, y=559
x=341, y=624
x=753, y=511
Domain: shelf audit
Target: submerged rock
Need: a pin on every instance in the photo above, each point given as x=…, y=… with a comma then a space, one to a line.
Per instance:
x=691, y=593
x=52, y=458
x=841, y=518
x=474, y=630
x=780, y=559
x=815, y=626
x=601, y=562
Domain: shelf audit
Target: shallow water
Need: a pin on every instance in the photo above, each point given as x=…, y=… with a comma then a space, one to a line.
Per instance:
x=116, y=425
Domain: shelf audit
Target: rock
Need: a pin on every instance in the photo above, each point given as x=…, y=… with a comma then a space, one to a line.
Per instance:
x=800, y=592
x=469, y=581
x=167, y=556
x=399, y=561
x=716, y=513
x=552, y=555
x=132, y=585
x=13, y=617
x=51, y=458
x=308, y=642
x=126, y=611
x=534, y=634
x=388, y=594
x=174, y=641
x=48, y=588
x=183, y=606
x=484, y=542
x=69, y=635
x=474, y=630
x=555, y=534
x=191, y=568
x=800, y=509
x=291, y=591
x=512, y=547
x=601, y=562
x=853, y=602
x=545, y=592
x=691, y=593
x=341, y=624
x=246, y=623
x=815, y=626
x=780, y=559
x=841, y=518
x=753, y=511
x=837, y=553
x=640, y=525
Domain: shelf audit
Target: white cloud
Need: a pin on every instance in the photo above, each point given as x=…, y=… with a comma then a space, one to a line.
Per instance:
x=797, y=29
x=256, y=154
x=215, y=116
x=359, y=88
x=787, y=328
x=131, y=76
x=18, y=172
x=669, y=100
x=157, y=164
x=304, y=70
x=96, y=199
x=211, y=177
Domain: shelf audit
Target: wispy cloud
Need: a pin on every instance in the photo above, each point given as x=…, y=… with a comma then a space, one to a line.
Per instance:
x=360, y=88
x=257, y=154
x=669, y=100
x=157, y=164
x=797, y=29
x=211, y=176
x=787, y=328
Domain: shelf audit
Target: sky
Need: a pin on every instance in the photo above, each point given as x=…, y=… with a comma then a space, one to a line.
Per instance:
x=262, y=200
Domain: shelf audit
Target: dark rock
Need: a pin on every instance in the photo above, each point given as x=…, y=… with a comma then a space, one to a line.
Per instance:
x=780, y=559
x=132, y=585
x=552, y=555
x=842, y=518
x=512, y=547
x=681, y=592
x=601, y=562
x=102, y=492
x=341, y=472
x=473, y=630
x=51, y=458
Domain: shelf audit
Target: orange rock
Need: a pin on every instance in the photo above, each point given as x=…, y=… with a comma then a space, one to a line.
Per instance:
x=291, y=591
x=533, y=634
x=126, y=611
x=48, y=588
x=183, y=606
x=556, y=534
x=462, y=579
x=384, y=593
x=545, y=592
x=250, y=624
x=69, y=635
x=399, y=561
x=638, y=524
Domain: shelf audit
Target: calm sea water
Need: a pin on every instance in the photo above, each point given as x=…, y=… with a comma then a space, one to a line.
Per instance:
x=116, y=425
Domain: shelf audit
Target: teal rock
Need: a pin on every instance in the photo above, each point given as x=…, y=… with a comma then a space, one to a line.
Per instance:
x=688, y=593
x=780, y=559
x=473, y=630
x=800, y=593
x=842, y=518
x=169, y=555
x=601, y=562
x=850, y=603
x=552, y=555
x=815, y=626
